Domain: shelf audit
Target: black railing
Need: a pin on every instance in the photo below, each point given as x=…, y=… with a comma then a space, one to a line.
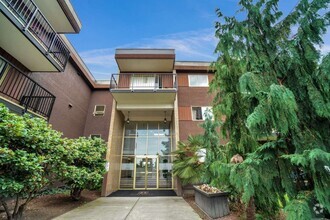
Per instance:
x=33, y=20
x=29, y=94
x=143, y=81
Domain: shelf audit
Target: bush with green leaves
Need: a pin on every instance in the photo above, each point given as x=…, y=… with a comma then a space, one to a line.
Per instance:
x=187, y=165
x=33, y=155
x=29, y=150
x=83, y=164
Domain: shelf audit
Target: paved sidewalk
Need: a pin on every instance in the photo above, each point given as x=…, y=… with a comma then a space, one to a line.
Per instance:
x=131, y=208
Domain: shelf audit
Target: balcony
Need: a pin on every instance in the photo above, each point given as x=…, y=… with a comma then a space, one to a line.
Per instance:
x=143, y=90
x=22, y=94
x=31, y=34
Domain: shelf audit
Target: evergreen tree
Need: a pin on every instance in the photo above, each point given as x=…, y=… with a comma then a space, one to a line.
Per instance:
x=271, y=82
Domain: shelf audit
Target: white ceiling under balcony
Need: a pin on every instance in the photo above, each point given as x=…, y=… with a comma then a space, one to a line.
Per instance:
x=148, y=115
x=145, y=60
x=17, y=45
x=63, y=19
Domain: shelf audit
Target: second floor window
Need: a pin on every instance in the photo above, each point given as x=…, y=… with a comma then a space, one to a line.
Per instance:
x=200, y=113
x=99, y=110
x=198, y=80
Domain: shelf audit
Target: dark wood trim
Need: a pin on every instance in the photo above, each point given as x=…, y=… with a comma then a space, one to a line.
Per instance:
x=145, y=56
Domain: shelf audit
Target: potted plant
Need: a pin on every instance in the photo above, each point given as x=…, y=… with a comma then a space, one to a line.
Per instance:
x=211, y=200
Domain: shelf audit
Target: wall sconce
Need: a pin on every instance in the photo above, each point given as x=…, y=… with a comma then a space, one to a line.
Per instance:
x=165, y=120
x=127, y=120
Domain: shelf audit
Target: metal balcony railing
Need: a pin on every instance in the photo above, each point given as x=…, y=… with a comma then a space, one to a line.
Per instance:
x=34, y=21
x=29, y=94
x=143, y=81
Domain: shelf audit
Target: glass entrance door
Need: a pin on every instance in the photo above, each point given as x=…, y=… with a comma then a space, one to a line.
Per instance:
x=146, y=172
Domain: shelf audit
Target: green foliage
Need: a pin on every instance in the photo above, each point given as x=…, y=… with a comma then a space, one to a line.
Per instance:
x=268, y=81
x=186, y=164
x=32, y=155
x=28, y=152
x=83, y=164
x=299, y=208
x=189, y=165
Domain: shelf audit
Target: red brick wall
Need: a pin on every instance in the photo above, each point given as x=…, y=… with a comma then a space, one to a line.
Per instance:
x=188, y=97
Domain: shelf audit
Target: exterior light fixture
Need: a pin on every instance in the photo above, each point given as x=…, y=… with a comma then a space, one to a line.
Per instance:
x=128, y=121
x=165, y=120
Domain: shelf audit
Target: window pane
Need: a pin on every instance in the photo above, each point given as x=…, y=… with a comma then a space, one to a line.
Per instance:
x=153, y=146
x=141, y=146
x=143, y=82
x=198, y=80
x=164, y=129
x=129, y=146
x=2, y=64
x=165, y=172
x=130, y=129
x=164, y=145
x=197, y=113
x=127, y=172
x=207, y=111
x=142, y=128
x=153, y=129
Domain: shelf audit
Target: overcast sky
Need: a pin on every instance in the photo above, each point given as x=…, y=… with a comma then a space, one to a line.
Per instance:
x=184, y=25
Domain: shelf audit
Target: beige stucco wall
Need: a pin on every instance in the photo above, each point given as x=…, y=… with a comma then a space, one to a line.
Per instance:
x=175, y=139
x=111, y=179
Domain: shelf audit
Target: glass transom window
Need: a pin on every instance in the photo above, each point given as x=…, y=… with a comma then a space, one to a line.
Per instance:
x=147, y=138
x=198, y=80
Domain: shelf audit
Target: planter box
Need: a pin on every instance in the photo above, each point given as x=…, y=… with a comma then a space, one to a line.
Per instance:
x=214, y=204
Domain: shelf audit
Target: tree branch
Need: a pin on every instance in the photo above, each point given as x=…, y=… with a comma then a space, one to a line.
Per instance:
x=16, y=204
x=4, y=204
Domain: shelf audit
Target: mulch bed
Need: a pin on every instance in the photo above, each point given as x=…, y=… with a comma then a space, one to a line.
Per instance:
x=50, y=206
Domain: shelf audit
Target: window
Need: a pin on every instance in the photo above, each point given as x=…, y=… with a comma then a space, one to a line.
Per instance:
x=200, y=113
x=99, y=110
x=2, y=64
x=95, y=136
x=144, y=82
x=198, y=80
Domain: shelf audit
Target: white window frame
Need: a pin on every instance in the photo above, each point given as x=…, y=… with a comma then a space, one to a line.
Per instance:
x=99, y=113
x=203, y=109
x=202, y=85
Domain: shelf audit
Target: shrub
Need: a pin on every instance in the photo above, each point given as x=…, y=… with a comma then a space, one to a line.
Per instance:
x=83, y=164
x=29, y=150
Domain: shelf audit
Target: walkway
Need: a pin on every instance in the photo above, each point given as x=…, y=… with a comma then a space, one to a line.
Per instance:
x=131, y=208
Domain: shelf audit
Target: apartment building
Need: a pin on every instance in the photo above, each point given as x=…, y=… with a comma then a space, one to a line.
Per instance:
x=141, y=112
x=157, y=101
x=41, y=73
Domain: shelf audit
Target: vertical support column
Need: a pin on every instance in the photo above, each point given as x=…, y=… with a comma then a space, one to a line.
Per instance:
x=113, y=156
x=177, y=183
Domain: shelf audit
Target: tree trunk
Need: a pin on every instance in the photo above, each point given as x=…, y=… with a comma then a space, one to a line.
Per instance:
x=76, y=193
x=19, y=214
x=251, y=210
